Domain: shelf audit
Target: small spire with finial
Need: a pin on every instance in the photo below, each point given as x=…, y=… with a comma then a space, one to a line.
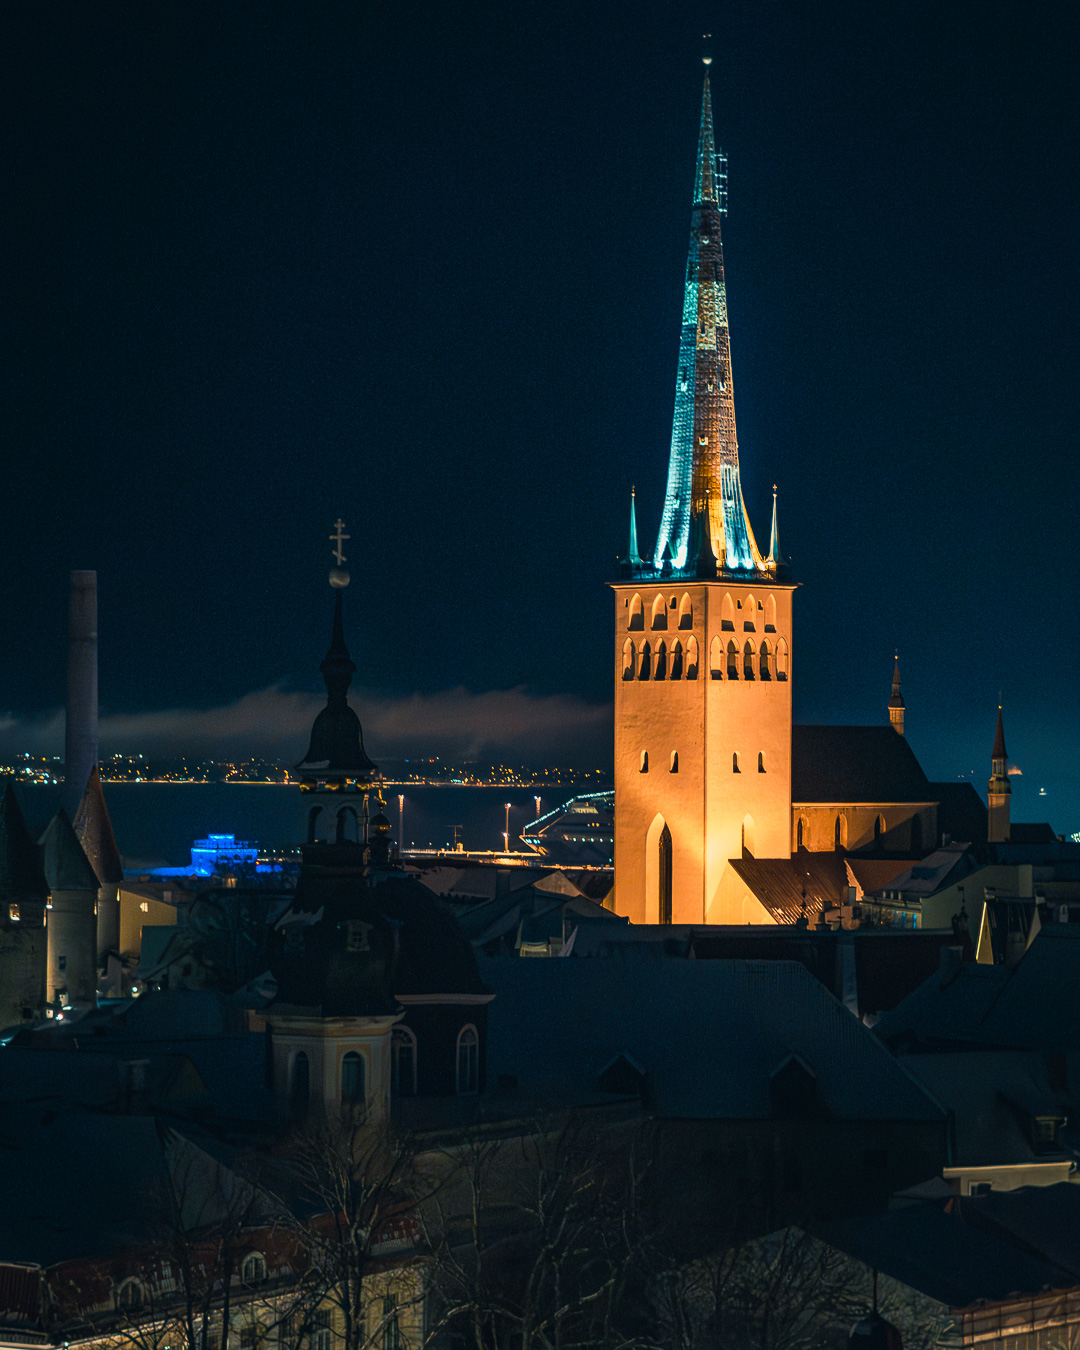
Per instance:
x=775, y=560
x=339, y=577
x=896, y=701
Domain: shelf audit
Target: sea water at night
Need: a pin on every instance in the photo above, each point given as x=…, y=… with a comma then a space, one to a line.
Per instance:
x=156, y=823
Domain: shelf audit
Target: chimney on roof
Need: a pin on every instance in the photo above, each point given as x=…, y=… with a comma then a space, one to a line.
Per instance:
x=81, y=725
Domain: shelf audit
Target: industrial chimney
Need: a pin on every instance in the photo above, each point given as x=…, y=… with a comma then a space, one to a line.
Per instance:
x=81, y=731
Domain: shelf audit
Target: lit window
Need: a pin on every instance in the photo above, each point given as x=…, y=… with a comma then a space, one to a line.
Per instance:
x=144, y=906
x=253, y=1271
x=391, y=1331
x=13, y=913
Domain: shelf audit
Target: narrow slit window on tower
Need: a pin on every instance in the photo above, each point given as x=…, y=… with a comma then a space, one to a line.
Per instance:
x=676, y=661
x=761, y=761
x=781, y=660
x=765, y=662
x=732, y=661
x=674, y=761
x=661, y=662
x=748, y=614
x=727, y=615
x=770, y=614
x=645, y=662
x=637, y=614
x=644, y=761
x=748, y=661
x=628, y=659
x=735, y=762
x=716, y=659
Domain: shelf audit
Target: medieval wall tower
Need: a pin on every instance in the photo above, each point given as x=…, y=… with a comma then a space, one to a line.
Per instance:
x=703, y=654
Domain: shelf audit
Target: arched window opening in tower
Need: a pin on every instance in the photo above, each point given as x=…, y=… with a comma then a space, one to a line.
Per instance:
x=403, y=1062
x=468, y=1060
x=659, y=613
x=664, y=876
x=346, y=830
x=879, y=829
x=802, y=833
x=628, y=656
x=727, y=615
x=313, y=824
x=765, y=662
x=674, y=761
x=353, y=1084
x=676, y=661
x=840, y=832
x=645, y=662
x=749, y=614
x=716, y=659
x=686, y=612
x=644, y=762
x=692, y=659
x=748, y=661
x=735, y=762
x=782, y=659
x=761, y=761
x=661, y=662
x=637, y=613
x=732, y=661
x=770, y=614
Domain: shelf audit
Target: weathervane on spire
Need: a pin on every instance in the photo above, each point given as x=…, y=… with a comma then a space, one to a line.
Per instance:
x=339, y=577
x=706, y=58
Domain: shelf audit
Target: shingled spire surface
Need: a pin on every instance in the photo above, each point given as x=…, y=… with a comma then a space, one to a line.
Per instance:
x=67, y=867
x=703, y=471
x=94, y=831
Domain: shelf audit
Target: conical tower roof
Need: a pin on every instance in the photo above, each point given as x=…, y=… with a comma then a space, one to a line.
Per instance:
x=94, y=831
x=897, y=699
x=22, y=876
x=67, y=868
x=999, y=751
x=337, y=739
x=703, y=472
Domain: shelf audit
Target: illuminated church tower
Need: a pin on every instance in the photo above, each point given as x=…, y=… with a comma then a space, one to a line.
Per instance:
x=703, y=637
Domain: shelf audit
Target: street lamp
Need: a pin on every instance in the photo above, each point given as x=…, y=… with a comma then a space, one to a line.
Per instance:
x=537, y=801
x=400, y=822
x=506, y=834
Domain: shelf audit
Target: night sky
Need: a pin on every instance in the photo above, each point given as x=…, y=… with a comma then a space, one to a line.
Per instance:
x=422, y=266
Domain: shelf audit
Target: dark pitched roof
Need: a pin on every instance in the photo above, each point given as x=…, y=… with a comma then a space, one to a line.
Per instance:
x=709, y=1035
x=961, y=812
x=67, y=867
x=94, y=830
x=854, y=764
x=1033, y=1006
x=778, y=882
x=1034, y=832
x=21, y=873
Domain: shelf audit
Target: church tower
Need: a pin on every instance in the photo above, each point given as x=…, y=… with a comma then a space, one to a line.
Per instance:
x=896, y=701
x=703, y=637
x=1000, y=791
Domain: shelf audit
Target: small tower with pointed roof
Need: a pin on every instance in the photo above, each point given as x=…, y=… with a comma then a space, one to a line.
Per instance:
x=999, y=795
x=24, y=894
x=94, y=831
x=896, y=700
x=702, y=654
x=72, y=917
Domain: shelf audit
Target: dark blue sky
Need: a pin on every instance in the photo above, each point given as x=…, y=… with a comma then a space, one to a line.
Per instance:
x=422, y=266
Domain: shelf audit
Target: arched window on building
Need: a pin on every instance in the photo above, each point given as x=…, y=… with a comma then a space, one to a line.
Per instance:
x=637, y=613
x=732, y=661
x=781, y=659
x=770, y=614
x=748, y=661
x=661, y=661
x=403, y=1062
x=299, y=1082
x=840, y=832
x=468, y=1060
x=628, y=659
x=765, y=662
x=644, y=761
x=130, y=1296
x=686, y=612
x=659, y=613
x=346, y=829
x=879, y=829
x=761, y=761
x=664, y=875
x=727, y=615
x=676, y=661
x=253, y=1270
x=749, y=614
x=691, y=658
x=716, y=659
x=645, y=662
x=802, y=833
x=353, y=1079
x=674, y=761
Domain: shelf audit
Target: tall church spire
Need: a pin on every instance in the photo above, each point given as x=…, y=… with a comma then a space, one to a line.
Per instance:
x=633, y=557
x=1000, y=789
x=896, y=700
x=703, y=472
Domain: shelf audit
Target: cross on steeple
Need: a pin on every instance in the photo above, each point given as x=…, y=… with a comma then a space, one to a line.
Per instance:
x=337, y=539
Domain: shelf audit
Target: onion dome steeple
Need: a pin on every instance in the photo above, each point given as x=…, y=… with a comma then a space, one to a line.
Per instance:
x=337, y=740
x=703, y=473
